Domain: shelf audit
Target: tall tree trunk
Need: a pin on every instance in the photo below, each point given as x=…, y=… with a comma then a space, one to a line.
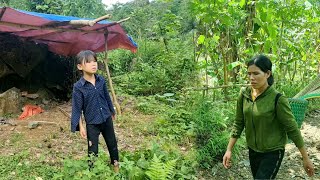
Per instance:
x=249, y=25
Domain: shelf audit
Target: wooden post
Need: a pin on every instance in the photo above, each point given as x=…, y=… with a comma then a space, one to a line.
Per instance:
x=114, y=97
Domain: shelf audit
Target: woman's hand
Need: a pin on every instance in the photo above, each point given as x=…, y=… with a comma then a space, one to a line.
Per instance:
x=227, y=159
x=308, y=166
x=227, y=156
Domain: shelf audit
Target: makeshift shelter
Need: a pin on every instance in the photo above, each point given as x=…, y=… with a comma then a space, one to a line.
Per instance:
x=67, y=35
x=62, y=37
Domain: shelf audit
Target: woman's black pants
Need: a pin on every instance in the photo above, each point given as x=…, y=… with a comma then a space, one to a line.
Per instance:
x=265, y=165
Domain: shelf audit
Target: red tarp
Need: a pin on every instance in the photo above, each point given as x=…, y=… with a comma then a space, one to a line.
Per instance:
x=23, y=23
x=30, y=110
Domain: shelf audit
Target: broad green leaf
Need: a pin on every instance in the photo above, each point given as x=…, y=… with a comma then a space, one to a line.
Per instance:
x=242, y=3
x=234, y=64
x=272, y=31
x=201, y=39
x=304, y=57
x=308, y=5
x=168, y=94
x=216, y=38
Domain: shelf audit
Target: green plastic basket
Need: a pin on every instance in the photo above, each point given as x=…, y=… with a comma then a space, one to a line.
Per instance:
x=298, y=107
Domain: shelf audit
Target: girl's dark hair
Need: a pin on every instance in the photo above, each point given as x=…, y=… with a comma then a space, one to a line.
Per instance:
x=264, y=63
x=83, y=56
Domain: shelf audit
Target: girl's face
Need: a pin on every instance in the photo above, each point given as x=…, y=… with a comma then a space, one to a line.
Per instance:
x=89, y=67
x=257, y=77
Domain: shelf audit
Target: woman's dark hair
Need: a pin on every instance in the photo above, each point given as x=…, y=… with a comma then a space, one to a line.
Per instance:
x=264, y=63
x=83, y=56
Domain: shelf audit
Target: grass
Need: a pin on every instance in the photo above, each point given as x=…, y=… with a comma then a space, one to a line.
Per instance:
x=23, y=166
x=63, y=155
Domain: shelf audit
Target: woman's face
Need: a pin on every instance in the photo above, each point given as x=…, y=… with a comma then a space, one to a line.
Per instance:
x=257, y=77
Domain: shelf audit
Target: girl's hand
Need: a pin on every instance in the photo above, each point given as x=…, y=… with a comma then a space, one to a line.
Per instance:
x=83, y=133
x=113, y=116
x=308, y=167
x=227, y=159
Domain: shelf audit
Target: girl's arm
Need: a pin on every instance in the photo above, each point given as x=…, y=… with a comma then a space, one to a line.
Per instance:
x=82, y=129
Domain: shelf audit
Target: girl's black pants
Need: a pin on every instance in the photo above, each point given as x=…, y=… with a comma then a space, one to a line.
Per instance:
x=107, y=131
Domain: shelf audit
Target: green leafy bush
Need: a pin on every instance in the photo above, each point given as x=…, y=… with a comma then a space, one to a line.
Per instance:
x=154, y=162
x=212, y=121
x=155, y=70
x=159, y=170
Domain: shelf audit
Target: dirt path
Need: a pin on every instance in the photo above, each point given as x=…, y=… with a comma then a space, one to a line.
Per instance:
x=291, y=167
x=55, y=141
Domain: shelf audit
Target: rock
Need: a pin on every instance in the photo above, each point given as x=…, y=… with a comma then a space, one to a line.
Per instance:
x=9, y=101
x=12, y=122
x=318, y=146
x=291, y=171
x=245, y=163
x=24, y=93
x=32, y=96
x=33, y=125
x=45, y=102
x=7, y=121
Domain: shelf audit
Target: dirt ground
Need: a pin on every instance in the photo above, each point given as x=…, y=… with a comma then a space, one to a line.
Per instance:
x=291, y=167
x=52, y=141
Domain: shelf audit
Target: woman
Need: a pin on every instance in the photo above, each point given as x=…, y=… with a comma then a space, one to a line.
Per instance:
x=267, y=125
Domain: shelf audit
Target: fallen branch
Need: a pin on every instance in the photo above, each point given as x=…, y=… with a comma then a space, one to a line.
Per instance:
x=34, y=124
x=65, y=113
x=46, y=122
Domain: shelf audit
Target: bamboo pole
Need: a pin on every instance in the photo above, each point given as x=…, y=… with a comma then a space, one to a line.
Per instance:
x=32, y=27
x=114, y=97
x=89, y=22
x=216, y=87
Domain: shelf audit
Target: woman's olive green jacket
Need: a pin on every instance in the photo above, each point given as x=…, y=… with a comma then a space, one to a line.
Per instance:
x=267, y=126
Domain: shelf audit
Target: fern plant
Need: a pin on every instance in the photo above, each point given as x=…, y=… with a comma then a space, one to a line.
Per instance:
x=159, y=170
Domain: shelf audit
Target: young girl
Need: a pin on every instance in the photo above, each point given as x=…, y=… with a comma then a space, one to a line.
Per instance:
x=90, y=96
x=266, y=127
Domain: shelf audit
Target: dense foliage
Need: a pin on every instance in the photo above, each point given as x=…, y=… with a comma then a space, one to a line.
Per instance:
x=231, y=32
